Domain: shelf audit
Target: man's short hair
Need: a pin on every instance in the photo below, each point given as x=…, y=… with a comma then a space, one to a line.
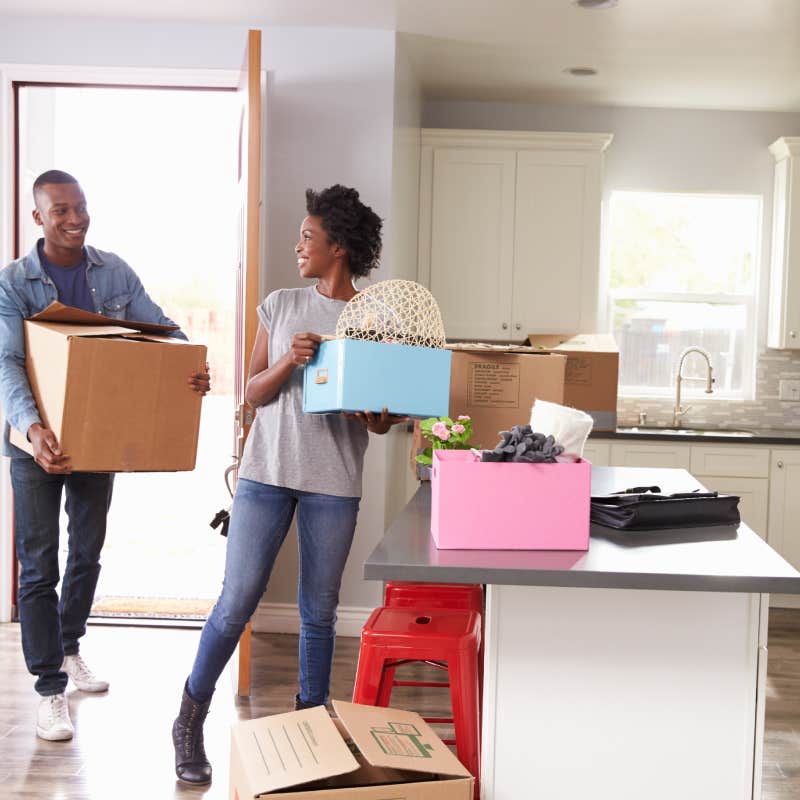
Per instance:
x=51, y=176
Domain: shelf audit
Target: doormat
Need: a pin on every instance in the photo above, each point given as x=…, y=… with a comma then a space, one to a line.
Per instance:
x=156, y=607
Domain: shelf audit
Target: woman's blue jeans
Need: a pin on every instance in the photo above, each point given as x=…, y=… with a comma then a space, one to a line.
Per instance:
x=51, y=627
x=260, y=519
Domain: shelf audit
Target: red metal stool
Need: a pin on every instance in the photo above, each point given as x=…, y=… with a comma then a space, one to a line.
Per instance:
x=463, y=596
x=444, y=638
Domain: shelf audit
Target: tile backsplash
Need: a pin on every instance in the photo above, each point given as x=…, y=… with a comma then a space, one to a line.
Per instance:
x=766, y=411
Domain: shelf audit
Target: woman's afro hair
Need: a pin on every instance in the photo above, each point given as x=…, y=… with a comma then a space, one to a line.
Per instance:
x=349, y=223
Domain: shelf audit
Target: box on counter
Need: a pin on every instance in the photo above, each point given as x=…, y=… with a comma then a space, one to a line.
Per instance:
x=114, y=392
x=370, y=753
x=590, y=383
x=496, y=385
x=359, y=375
x=479, y=505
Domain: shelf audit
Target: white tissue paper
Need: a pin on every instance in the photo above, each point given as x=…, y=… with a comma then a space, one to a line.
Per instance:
x=568, y=426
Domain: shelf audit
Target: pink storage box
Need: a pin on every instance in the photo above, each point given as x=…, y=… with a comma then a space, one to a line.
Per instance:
x=508, y=506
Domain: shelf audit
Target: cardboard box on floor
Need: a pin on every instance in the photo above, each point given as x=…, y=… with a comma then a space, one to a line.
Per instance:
x=114, y=392
x=590, y=383
x=378, y=752
x=497, y=384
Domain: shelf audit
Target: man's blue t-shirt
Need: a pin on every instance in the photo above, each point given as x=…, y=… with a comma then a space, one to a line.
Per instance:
x=73, y=288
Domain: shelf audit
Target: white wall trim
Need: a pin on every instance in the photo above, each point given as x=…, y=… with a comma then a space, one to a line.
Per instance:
x=516, y=140
x=123, y=76
x=285, y=618
x=10, y=73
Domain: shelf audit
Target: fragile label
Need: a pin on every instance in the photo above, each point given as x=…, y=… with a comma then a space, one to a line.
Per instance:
x=579, y=371
x=493, y=384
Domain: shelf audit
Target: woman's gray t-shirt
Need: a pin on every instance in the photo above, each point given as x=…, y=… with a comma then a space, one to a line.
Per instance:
x=322, y=453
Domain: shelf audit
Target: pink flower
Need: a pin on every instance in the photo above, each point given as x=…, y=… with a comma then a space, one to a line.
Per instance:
x=440, y=429
x=458, y=428
x=463, y=417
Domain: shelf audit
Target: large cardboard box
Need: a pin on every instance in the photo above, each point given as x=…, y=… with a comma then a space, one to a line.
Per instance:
x=478, y=505
x=370, y=753
x=358, y=375
x=114, y=392
x=590, y=383
x=496, y=386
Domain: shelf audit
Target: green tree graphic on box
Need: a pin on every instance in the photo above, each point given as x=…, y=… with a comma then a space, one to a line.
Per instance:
x=401, y=739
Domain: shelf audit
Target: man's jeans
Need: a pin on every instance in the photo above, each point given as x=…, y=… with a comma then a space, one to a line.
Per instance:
x=51, y=627
x=260, y=519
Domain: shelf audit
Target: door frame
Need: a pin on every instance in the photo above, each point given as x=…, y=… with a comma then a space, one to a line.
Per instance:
x=108, y=76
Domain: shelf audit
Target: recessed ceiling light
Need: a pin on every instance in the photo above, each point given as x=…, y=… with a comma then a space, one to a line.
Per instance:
x=596, y=5
x=581, y=72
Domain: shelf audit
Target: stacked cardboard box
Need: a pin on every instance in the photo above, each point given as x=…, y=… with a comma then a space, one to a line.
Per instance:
x=590, y=381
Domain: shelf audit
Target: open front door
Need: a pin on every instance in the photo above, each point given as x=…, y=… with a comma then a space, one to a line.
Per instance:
x=247, y=296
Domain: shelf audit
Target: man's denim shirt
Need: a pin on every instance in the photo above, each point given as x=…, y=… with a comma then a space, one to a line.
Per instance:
x=25, y=290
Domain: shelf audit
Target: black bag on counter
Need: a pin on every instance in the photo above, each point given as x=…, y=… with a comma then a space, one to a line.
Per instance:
x=644, y=508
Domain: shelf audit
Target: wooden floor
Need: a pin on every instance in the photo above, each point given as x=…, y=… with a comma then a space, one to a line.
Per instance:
x=122, y=747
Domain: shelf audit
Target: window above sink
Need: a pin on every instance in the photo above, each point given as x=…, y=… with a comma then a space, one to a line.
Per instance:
x=683, y=272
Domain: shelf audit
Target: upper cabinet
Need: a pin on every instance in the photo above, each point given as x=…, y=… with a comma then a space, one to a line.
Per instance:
x=784, y=302
x=509, y=235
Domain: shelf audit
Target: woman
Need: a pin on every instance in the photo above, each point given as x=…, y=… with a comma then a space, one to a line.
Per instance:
x=311, y=464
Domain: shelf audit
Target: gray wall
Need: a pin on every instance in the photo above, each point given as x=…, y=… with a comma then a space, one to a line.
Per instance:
x=672, y=150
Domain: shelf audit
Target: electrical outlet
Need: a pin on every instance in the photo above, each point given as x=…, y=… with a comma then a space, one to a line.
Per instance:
x=789, y=390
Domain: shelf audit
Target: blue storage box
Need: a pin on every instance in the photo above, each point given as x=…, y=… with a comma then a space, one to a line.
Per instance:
x=358, y=375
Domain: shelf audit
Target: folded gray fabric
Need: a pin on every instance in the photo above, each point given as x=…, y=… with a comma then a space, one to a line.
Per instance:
x=523, y=445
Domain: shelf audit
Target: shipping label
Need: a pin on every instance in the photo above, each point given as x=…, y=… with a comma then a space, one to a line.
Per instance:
x=401, y=739
x=579, y=371
x=493, y=384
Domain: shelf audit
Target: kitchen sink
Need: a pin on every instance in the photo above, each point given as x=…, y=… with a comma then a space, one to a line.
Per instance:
x=688, y=431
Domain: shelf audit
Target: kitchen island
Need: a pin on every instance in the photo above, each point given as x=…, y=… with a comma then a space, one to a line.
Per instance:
x=633, y=670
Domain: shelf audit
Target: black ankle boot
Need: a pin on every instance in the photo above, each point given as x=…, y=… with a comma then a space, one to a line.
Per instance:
x=191, y=764
x=300, y=705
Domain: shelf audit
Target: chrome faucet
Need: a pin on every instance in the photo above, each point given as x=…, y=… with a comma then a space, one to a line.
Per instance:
x=678, y=412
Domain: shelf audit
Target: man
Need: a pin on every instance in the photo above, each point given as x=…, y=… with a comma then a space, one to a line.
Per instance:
x=59, y=267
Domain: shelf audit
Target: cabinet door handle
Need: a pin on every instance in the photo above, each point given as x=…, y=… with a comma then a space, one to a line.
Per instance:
x=792, y=334
x=780, y=465
x=505, y=326
x=518, y=326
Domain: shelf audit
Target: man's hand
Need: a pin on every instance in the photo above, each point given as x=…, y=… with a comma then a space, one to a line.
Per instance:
x=375, y=424
x=46, y=451
x=201, y=382
x=304, y=345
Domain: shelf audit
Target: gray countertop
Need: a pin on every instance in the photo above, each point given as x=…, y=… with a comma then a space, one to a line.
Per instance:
x=716, y=559
x=780, y=436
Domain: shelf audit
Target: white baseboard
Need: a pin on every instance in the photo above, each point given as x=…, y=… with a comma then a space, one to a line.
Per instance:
x=285, y=618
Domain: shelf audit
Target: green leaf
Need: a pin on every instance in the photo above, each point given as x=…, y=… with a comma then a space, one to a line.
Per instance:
x=425, y=457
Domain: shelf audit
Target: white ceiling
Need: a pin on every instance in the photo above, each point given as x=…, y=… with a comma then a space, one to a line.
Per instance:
x=723, y=54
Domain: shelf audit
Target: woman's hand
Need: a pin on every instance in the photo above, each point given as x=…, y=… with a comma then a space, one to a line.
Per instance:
x=376, y=424
x=304, y=345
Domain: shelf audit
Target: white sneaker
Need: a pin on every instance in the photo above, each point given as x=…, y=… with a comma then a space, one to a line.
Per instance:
x=82, y=676
x=52, y=719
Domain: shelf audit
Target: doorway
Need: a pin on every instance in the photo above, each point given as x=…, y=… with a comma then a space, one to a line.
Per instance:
x=158, y=166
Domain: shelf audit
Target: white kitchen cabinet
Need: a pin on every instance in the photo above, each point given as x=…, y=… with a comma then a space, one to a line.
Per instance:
x=783, y=329
x=731, y=460
x=471, y=239
x=597, y=453
x=502, y=213
x=784, y=511
x=753, y=494
x=650, y=454
x=743, y=471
